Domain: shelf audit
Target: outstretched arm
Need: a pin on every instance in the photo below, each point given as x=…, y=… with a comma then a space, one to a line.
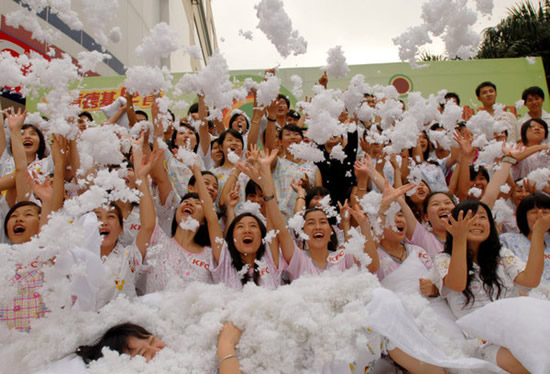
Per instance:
x=16, y=121
x=530, y=277
x=214, y=229
x=457, y=276
x=143, y=165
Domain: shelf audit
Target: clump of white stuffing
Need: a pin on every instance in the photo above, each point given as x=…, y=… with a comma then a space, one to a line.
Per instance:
x=275, y=23
x=338, y=153
x=475, y=192
x=540, y=177
x=297, y=85
x=268, y=90
x=306, y=151
x=189, y=224
x=161, y=43
x=246, y=34
x=336, y=63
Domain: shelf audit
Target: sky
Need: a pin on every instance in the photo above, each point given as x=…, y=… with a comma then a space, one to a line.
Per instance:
x=364, y=29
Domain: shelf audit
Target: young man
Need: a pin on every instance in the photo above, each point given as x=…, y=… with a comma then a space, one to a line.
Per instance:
x=533, y=97
x=486, y=93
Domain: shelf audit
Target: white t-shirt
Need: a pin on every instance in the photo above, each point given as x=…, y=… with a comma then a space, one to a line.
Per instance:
x=509, y=266
x=270, y=275
x=168, y=262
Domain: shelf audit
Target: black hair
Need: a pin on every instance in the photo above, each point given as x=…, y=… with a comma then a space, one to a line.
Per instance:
x=234, y=118
x=86, y=114
x=143, y=114
x=172, y=143
x=436, y=126
x=192, y=180
x=484, y=84
x=202, y=236
x=285, y=98
x=488, y=254
x=251, y=188
x=533, y=91
x=452, y=95
x=236, y=255
x=118, y=211
x=41, y=151
x=233, y=133
x=526, y=126
x=294, y=114
x=194, y=108
x=172, y=115
x=333, y=242
x=14, y=208
x=433, y=193
x=293, y=128
x=116, y=339
x=475, y=170
x=536, y=200
x=315, y=191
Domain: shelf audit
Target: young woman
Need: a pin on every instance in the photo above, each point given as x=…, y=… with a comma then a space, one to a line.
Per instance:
x=232, y=144
x=475, y=269
x=134, y=340
x=534, y=133
x=122, y=263
x=186, y=255
x=321, y=237
x=529, y=211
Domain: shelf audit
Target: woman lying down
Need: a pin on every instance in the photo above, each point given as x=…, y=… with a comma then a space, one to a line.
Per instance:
x=412, y=350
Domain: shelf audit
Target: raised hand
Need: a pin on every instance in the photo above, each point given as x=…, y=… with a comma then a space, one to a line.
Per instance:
x=16, y=119
x=42, y=190
x=298, y=187
x=323, y=81
x=427, y=288
x=391, y=194
x=464, y=143
x=461, y=226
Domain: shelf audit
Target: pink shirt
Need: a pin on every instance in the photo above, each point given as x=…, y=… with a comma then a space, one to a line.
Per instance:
x=427, y=240
x=225, y=272
x=301, y=263
x=166, y=259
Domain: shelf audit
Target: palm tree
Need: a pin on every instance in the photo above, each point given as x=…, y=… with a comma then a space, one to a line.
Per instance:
x=525, y=32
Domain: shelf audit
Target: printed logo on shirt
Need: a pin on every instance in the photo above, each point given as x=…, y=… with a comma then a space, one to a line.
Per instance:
x=200, y=264
x=135, y=227
x=336, y=258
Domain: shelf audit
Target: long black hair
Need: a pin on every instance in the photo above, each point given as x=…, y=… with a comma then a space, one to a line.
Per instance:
x=116, y=339
x=236, y=255
x=202, y=236
x=488, y=254
x=14, y=208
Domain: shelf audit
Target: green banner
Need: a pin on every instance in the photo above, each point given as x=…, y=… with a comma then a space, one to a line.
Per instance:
x=511, y=76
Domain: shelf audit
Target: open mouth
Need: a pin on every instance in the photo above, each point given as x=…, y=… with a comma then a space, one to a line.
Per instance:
x=247, y=240
x=18, y=229
x=187, y=210
x=28, y=143
x=400, y=228
x=476, y=231
x=104, y=232
x=318, y=235
x=444, y=216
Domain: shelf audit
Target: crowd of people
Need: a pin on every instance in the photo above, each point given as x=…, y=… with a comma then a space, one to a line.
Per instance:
x=237, y=206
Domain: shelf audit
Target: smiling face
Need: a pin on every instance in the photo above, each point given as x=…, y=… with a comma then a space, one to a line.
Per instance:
x=211, y=183
x=519, y=193
x=423, y=141
x=487, y=96
x=146, y=347
x=282, y=107
x=401, y=224
x=480, y=182
x=31, y=140
x=247, y=236
x=290, y=137
x=232, y=143
x=190, y=207
x=438, y=211
x=23, y=224
x=534, y=103
x=109, y=226
x=480, y=228
x=422, y=191
x=185, y=138
x=318, y=228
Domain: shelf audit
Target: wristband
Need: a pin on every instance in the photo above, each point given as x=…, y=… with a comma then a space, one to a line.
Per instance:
x=269, y=198
x=510, y=160
x=271, y=119
x=226, y=357
x=361, y=189
x=300, y=197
